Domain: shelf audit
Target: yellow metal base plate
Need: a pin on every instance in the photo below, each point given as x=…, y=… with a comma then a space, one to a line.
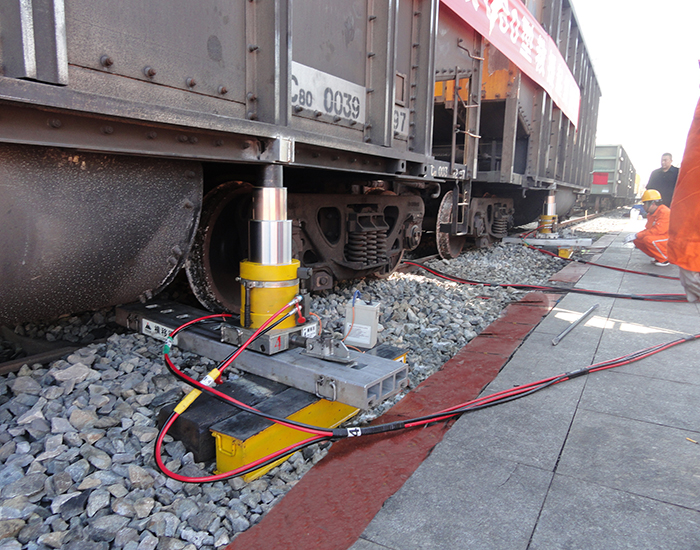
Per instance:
x=232, y=452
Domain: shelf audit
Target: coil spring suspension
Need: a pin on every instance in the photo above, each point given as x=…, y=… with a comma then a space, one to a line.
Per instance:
x=356, y=249
x=367, y=248
x=367, y=239
x=500, y=227
x=382, y=251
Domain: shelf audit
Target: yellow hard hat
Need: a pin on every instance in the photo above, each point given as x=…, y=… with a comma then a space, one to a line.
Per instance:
x=651, y=195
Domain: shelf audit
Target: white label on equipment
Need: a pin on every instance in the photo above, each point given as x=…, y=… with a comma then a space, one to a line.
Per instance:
x=309, y=331
x=401, y=121
x=362, y=334
x=159, y=332
x=328, y=94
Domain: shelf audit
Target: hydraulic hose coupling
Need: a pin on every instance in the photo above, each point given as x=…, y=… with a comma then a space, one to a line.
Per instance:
x=269, y=276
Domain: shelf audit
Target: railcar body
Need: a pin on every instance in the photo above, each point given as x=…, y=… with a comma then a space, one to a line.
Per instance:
x=529, y=147
x=131, y=141
x=614, y=179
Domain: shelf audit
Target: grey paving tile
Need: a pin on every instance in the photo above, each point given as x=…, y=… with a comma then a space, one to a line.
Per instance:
x=657, y=314
x=652, y=400
x=537, y=358
x=531, y=430
x=616, y=256
x=582, y=515
x=637, y=457
x=598, y=278
x=629, y=331
x=571, y=308
x=364, y=544
x=452, y=504
x=641, y=284
x=669, y=316
x=678, y=364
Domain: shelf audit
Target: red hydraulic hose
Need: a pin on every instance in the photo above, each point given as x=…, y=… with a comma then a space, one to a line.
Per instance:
x=600, y=265
x=318, y=433
x=646, y=297
x=323, y=434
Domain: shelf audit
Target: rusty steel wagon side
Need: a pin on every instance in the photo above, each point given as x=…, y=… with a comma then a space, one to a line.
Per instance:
x=133, y=135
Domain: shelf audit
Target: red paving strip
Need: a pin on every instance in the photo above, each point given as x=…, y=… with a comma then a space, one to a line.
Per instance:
x=571, y=273
x=334, y=502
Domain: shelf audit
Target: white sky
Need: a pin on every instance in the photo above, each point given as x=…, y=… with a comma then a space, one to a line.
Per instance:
x=645, y=56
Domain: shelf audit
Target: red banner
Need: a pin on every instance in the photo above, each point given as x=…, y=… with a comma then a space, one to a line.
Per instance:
x=511, y=28
x=600, y=178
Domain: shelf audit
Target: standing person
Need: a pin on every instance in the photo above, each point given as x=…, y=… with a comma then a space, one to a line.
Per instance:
x=654, y=238
x=684, y=229
x=664, y=179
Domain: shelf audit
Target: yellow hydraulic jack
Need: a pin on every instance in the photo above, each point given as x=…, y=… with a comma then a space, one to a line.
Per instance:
x=269, y=279
x=547, y=226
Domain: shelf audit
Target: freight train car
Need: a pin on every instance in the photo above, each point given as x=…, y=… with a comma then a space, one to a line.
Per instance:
x=538, y=129
x=142, y=140
x=614, y=179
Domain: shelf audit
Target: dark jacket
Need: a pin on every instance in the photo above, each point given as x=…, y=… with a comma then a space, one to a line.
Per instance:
x=664, y=183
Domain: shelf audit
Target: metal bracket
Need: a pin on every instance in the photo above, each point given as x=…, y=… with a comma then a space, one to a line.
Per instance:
x=363, y=383
x=323, y=381
x=275, y=341
x=280, y=150
x=328, y=349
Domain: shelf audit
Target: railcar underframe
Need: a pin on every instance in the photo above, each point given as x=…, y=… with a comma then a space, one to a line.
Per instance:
x=131, y=141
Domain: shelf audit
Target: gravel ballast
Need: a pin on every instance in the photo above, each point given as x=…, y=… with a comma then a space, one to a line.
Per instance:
x=77, y=436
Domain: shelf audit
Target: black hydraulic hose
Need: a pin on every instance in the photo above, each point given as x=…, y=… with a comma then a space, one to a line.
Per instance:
x=586, y=262
x=544, y=288
x=324, y=434
x=230, y=401
x=511, y=394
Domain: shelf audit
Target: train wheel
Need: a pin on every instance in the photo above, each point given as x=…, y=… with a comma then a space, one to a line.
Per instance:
x=449, y=246
x=219, y=246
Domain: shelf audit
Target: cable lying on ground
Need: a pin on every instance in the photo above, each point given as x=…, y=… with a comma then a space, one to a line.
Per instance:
x=205, y=385
x=543, y=288
x=319, y=434
x=585, y=262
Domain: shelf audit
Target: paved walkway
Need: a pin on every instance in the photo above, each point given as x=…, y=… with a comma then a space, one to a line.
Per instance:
x=599, y=462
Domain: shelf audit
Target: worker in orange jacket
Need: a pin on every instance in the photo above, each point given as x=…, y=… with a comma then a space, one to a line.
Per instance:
x=684, y=229
x=654, y=238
